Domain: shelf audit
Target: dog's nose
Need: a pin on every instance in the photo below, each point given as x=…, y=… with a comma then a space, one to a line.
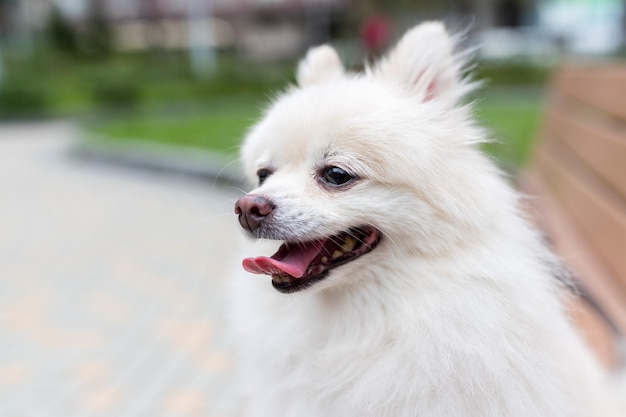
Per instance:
x=252, y=210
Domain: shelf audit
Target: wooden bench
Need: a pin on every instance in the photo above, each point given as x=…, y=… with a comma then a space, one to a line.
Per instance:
x=577, y=184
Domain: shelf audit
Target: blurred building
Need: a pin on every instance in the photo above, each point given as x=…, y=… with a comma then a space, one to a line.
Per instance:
x=276, y=29
x=585, y=26
x=269, y=29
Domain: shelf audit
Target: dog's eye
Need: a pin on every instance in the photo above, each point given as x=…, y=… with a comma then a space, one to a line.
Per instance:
x=336, y=176
x=263, y=174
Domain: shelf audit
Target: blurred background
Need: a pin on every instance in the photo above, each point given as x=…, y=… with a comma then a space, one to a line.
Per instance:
x=120, y=122
x=196, y=72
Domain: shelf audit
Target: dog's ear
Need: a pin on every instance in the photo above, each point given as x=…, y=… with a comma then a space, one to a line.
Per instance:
x=321, y=64
x=423, y=62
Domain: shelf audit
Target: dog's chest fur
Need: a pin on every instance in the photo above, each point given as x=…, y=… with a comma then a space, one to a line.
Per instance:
x=431, y=354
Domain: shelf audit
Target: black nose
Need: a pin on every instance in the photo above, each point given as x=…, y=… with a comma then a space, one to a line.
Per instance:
x=252, y=210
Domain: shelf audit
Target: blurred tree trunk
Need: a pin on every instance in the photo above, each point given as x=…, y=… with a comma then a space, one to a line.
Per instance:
x=154, y=33
x=98, y=37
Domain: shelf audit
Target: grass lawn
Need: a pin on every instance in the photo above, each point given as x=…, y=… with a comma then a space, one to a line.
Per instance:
x=157, y=99
x=218, y=125
x=512, y=116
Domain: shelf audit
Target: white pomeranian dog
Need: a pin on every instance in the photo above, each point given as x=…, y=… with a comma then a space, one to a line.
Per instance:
x=407, y=281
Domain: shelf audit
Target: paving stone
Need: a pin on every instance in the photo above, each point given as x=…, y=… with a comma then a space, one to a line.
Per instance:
x=112, y=284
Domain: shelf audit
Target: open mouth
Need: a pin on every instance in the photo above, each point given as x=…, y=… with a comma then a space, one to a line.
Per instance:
x=298, y=265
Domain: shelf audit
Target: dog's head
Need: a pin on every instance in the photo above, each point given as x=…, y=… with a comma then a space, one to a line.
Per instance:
x=353, y=171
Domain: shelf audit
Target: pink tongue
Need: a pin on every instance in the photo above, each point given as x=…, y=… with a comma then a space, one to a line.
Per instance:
x=294, y=263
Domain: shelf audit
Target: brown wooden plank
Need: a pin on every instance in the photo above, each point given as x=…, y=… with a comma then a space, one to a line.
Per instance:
x=602, y=148
x=602, y=222
x=595, y=332
x=568, y=242
x=580, y=176
x=600, y=86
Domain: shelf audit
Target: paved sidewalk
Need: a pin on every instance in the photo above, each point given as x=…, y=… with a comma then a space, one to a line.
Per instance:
x=112, y=285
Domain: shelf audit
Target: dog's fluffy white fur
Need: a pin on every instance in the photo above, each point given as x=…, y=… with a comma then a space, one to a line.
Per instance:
x=457, y=311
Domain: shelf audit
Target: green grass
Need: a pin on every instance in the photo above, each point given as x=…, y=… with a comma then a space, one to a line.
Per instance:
x=218, y=126
x=157, y=99
x=511, y=115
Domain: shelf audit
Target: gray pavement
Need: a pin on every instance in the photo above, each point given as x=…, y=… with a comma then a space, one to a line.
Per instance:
x=112, y=285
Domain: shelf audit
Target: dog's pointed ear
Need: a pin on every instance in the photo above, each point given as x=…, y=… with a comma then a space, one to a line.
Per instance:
x=423, y=62
x=321, y=64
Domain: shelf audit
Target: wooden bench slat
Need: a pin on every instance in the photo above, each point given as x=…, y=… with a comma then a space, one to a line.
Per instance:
x=602, y=87
x=603, y=149
x=579, y=174
x=567, y=240
x=602, y=223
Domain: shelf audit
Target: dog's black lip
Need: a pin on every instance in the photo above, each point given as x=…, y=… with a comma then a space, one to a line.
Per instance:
x=299, y=284
x=307, y=282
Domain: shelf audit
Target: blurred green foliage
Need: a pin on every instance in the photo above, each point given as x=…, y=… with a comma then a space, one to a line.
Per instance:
x=79, y=85
x=98, y=32
x=74, y=85
x=154, y=96
x=18, y=98
x=94, y=39
x=61, y=35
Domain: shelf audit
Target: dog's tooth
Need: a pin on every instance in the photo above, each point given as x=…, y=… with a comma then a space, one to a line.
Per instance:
x=348, y=244
x=324, y=259
x=337, y=254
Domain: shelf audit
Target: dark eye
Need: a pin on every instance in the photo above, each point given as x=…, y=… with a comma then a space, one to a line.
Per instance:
x=263, y=174
x=336, y=176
